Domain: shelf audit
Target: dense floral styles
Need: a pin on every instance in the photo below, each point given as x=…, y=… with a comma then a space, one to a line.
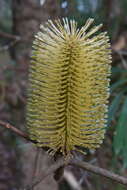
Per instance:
x=68, y=86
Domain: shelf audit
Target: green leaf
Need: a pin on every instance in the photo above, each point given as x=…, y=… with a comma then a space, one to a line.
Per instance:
x=117, y=70
x=117, y=84
x=114, y=107
x=120, y=141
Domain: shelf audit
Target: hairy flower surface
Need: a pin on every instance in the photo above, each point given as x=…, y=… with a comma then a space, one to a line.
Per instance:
x=68, y=86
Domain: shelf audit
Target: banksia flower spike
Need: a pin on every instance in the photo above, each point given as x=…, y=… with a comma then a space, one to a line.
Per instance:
x=68, y=86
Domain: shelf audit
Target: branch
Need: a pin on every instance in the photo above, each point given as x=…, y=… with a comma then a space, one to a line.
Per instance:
x=61, y=162
x=100, y=171
x=15, y=130
x=8, y=46
x=12, y=43
x=84, y=165
x=10, y=36
x=71, y=180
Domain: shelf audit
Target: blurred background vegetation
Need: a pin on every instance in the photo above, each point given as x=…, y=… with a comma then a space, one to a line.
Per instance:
x=19, y=21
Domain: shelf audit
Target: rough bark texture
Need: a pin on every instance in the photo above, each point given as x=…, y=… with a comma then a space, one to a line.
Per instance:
x=27, y=16
x=35, y=163
x=9, y=175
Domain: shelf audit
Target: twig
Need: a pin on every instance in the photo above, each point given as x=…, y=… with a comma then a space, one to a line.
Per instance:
x=122, y=52
x=87, y=182
x=122, y=59
x=85, y=166
x=61, y=162
x=100, y=171
x=10, y=36
x=72, y=181
x=15, y=130
x=12, y=43
x=85, y=174
x=8, y=46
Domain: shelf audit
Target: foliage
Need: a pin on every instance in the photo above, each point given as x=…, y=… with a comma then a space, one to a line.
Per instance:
x=118, y=112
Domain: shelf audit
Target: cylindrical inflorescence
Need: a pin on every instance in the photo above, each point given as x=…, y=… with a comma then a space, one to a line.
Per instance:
x=68, y=86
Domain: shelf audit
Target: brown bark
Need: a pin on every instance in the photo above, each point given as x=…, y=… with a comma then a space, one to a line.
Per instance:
x=27, y=16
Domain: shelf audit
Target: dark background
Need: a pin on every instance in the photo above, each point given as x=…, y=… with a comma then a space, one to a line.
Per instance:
x=19, y=21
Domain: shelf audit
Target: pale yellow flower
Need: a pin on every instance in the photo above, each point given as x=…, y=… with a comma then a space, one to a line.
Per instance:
x=68, y=86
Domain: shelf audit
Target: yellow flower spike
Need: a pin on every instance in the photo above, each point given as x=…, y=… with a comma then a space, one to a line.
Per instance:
x=68, y=86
